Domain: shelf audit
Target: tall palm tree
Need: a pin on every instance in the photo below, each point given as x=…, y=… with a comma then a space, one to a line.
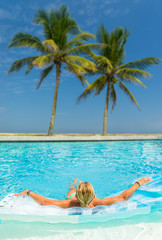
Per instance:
x=57, y=50
x=112, y=69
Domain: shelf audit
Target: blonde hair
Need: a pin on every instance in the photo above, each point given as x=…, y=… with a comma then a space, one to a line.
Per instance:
x=85, y=194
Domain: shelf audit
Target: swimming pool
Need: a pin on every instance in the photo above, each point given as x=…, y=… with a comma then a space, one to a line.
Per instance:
x=49, y=168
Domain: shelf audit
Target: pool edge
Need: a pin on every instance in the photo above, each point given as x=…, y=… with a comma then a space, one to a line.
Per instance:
x=80, y=138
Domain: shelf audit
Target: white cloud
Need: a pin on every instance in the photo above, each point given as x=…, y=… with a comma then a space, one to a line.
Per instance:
x=14, y=89
x=12, y=13
x=54, y=5
x=51, y=6
x=12, y=85
x=109, y=11
x=91, y=21
x=38, y=33
x=4, y=14
x=81, y=12
x=5, y=60
x=62, y=113
x=113, y=12
x=93, y=10
x=126, y=10
x=47, y=84
x=34, y=6
x=16, y=12
x=2, y=109
x=24, y=51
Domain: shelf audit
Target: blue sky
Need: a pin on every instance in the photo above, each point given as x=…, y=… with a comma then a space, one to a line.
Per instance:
x=25, y=109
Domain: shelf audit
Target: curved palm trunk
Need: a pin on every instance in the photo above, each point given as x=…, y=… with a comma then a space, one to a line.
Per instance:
x=58, y=66
x=106, y=107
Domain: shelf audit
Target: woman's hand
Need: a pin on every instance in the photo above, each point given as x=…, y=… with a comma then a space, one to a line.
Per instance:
x=145, y=180
x=24, y=193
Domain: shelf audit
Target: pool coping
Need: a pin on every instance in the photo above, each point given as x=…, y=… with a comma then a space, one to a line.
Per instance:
x=79, y=138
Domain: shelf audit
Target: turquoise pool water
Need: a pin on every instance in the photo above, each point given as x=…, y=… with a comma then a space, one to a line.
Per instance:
x=49, y=168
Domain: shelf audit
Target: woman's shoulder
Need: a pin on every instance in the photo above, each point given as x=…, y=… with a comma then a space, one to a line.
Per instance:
x=74, y=202
x=96, y=201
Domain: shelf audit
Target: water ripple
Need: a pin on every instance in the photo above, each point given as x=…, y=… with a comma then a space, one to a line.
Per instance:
x=48, y=168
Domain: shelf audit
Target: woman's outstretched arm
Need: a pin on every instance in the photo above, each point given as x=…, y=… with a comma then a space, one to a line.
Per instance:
x=44, y=201
x=123, y=196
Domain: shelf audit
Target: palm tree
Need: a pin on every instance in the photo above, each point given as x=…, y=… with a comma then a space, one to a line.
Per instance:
x=57, y=50
x=110, y=65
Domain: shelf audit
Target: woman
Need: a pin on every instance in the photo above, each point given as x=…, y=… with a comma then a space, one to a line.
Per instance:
x=84, y=196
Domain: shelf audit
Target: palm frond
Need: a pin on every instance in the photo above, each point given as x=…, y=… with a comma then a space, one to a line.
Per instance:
x=85, y=63
x=113, y=97
x=51, y=44
x=44, y=74
x=67, y=23
x=125, y=72
x=78, y=71
x=57, y=24
x=101, y=61
x=97, y=86
x=42, y=17
x=114, y=43
x=142, y=63
x=17, y=65
x=115, y=80
x=135, y=80
x=30, y=66
x=62, y=26
x=27, y=40
x=121, y=37
x=130, y=95
x=43, y=61
x=80, y=38
x=84, y=48
x=102, y=34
